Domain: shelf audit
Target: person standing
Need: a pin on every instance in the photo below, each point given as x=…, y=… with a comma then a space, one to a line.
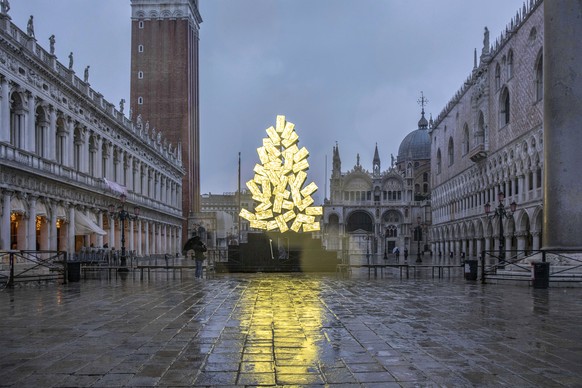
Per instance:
x=199, y=248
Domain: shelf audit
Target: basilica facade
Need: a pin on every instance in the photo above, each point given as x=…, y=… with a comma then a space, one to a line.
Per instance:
x=487, y=148
x=375, y=216
x=68, y=159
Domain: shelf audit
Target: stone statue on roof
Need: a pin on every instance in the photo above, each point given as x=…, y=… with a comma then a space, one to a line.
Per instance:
x=30, y=27
x=5, y=6
x=52, y=44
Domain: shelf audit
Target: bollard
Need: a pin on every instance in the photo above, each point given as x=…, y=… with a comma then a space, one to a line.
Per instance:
x=541, y=275
x=471, y=267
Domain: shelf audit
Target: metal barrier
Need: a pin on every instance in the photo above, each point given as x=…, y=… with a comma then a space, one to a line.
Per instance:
x=555, y=264
x=32, y=266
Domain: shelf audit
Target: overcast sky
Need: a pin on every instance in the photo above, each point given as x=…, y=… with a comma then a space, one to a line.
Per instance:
x=345, y=71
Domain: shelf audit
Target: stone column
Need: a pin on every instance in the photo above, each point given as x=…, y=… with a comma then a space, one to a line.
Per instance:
x=31, y=226
x=52, y=134
x=479, y=249
x=53, y=231
x=562, y=220
x=147, y=238
x=535, y=241
x=4, y=111
x=131, y=235
x=99, y=242
x=111, y=232
x=521, y=242
x=139, y=238
x=5, y=222
x=71, y=232
x=29, y=132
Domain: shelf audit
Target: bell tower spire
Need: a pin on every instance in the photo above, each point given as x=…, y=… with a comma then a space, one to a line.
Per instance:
x=376, y=162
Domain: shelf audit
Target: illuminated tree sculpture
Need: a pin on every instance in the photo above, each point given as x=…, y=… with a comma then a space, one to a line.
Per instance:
x=278, y=184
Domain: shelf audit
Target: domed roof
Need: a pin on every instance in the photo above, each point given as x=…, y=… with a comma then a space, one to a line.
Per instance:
x=416, y=145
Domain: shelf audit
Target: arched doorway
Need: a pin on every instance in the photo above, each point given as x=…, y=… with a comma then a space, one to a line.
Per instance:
x=362, y=242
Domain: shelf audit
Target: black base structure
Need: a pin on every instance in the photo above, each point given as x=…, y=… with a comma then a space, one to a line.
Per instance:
x=279, y=252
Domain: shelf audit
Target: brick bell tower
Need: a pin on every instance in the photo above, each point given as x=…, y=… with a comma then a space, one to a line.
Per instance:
x=164, y=81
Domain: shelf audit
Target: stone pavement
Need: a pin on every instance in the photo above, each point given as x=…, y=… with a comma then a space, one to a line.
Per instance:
x=289, y=330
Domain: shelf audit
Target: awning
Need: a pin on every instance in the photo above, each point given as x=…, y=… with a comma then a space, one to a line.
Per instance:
x=115, y=187
x=17, y=206
x=41, y=209
x=84, y=225
x=62, y=213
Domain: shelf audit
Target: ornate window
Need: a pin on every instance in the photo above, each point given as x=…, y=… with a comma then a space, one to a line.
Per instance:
x=466, y=144
x=510, y=64
x=438, y=161
x=16, y=121
x=497, y=76
x=451, y=151
x=539, y=78
x=504, y=105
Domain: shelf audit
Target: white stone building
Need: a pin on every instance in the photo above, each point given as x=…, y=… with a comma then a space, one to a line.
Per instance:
x=489, y=140
x=66, y=154
x=370, y=214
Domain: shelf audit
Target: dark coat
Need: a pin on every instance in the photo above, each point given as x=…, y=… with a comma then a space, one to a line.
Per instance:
x=197, y=246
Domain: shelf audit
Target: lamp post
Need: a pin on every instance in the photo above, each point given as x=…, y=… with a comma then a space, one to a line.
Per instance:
x=121, y=214
x=501, y=212
x=368, y=248
x=385, y=247
x=418, y=233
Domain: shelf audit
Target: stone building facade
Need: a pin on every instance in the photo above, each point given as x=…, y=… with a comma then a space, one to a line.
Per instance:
x=66, y=154
x=489, y=140
x=370, y=214
x=225, y=206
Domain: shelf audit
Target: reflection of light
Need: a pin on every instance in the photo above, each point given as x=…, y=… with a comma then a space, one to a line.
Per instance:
x=283, y=327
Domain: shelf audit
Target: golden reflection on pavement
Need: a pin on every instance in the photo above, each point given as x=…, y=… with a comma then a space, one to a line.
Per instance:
x=283, y=320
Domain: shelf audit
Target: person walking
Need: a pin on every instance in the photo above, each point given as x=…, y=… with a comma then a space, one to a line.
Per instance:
x=199, y=248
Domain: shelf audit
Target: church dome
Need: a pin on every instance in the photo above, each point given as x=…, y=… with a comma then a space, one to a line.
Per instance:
x=416, y=145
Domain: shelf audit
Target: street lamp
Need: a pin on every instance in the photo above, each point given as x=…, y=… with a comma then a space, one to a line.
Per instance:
x=121, y=214
x=368, y=248
x=501, y=212
x=418, y=233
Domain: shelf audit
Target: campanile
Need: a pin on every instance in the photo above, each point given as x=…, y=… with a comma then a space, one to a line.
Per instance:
x=164, y=81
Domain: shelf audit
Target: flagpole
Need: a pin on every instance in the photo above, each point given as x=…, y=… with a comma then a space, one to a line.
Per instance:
x=239, y=200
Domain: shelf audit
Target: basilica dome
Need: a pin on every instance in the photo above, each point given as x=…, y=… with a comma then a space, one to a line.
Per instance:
x=416, y=145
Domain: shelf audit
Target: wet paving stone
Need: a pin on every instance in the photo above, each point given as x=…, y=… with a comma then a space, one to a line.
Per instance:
x=296, y=330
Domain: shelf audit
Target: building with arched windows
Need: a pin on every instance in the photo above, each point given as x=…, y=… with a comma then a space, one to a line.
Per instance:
x=66, y=154
x=371, y=214
x=489, y=140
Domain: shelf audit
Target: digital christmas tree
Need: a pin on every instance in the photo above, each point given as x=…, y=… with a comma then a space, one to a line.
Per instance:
x=278, y=184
